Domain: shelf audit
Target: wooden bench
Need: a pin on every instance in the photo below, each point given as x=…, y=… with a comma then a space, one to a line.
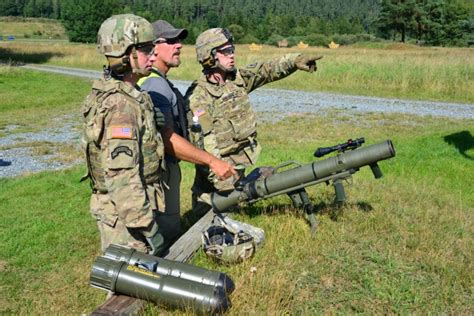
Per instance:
x=182, y=250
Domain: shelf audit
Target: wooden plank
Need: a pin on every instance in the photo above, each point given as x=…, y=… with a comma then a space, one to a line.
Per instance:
x=182, y=250
x=120, y=305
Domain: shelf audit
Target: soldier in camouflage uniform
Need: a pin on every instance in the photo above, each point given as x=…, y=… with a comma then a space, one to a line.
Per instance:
x=220, y=99
x=124, y=150
x=168, y=100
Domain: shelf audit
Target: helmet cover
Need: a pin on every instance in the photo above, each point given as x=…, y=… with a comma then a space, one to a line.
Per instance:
x=223, y=243
x=208, y=41
x=119, y=32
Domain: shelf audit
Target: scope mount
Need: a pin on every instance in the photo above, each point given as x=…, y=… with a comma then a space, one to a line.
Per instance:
x=351, y=144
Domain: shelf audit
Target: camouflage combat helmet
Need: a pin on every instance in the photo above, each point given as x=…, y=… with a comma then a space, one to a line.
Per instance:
x=208, y=41
x=227, y=242
x=119, y=32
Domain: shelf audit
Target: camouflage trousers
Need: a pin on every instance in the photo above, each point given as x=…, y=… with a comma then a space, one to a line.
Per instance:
x=112, y=229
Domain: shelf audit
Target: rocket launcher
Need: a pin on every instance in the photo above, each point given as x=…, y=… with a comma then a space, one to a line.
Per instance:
x=262, y=184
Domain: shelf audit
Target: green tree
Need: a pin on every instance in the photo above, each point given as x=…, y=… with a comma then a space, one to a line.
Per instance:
x=30, y=8
x=213, y=19
x=10, y=7
x=343, y=26
x=237, y=31
x=434, y=33
x=82, y=18
x=421, y=21
x=458, y=23
x=56, y=9
x=435, y=22
x=397, y=18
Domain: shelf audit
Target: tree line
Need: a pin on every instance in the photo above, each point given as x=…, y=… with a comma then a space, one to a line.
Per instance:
x=429, y=22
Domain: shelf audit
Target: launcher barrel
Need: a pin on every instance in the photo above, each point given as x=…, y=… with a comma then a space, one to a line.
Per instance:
x=333, y=168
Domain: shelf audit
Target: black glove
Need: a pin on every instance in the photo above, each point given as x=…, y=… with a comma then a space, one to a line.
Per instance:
x=307, y=63
x=159, y=119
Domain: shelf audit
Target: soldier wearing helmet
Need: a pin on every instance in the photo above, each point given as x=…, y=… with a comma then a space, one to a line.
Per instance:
x=220, y=99
x=170, y=102
x=123, y=148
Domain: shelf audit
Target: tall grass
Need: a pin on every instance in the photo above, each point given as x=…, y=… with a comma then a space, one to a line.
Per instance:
x=400, y=71
x=32, y=28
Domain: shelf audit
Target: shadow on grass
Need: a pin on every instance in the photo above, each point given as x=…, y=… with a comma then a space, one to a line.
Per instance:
x=463, y=141
x=333, y=210
x=189, y=218
x=9, y=55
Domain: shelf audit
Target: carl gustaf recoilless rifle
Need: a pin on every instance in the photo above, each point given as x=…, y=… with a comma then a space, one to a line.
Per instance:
x=267, y=182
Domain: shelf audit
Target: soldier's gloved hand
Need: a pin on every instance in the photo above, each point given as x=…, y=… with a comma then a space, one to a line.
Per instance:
x=159, y=120
x=306, y=62
x=154, y=239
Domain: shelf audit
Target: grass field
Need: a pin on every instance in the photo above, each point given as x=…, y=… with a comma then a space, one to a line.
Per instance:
x=31, y=100
x=389, y=70
x=32, y=28
x=402, y=245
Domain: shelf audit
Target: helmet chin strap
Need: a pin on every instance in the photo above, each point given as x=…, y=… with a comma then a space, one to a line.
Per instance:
x=225, y=69
x=213, y=64
x=137, y=70
x=119, y=66
x=217, y=65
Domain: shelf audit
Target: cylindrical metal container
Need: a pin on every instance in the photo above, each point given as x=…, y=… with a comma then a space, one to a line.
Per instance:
x=168, y=267
x=123, y=278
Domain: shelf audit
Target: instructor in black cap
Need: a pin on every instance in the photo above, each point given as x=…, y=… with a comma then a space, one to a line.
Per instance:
x=167, y=99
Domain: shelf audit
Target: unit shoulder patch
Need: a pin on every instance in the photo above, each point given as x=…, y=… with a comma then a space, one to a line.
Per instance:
x=121, y=149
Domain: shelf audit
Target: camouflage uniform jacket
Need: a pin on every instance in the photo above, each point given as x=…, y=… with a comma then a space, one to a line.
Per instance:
x=227, y=118
x=124, y=153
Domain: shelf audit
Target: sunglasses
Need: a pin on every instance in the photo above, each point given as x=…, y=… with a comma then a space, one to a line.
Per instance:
x=227, y=51
x=170, y=41
x=147, y=49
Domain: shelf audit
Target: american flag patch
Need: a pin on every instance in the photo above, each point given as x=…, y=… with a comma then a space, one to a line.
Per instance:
x=199, y=112
x=121, y=132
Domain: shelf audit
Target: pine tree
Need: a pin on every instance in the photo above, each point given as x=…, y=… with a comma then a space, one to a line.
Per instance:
x=397, y=17
x=82, y=18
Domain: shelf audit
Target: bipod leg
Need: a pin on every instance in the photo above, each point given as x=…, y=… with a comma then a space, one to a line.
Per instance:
x=300, y=200
x=340, y=192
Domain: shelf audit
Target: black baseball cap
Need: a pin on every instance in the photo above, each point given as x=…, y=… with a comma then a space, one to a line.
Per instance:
x=163, y=29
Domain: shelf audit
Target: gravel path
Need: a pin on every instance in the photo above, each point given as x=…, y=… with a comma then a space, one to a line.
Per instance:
x=20, y=160
x=273, y=105
x=284, y=102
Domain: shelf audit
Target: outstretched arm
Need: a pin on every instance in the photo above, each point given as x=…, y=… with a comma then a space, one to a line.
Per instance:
x=260, y=73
